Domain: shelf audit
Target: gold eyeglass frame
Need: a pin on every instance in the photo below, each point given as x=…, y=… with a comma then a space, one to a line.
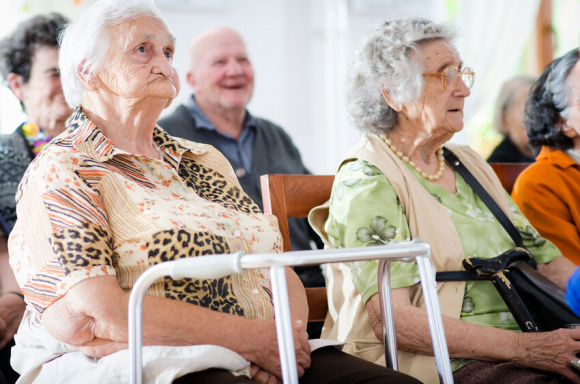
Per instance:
x=460, y=73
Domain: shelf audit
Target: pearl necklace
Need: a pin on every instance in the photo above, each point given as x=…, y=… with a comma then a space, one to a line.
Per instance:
x=401, y=156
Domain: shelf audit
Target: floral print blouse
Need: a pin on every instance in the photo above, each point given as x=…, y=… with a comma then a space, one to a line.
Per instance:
x=365, y=211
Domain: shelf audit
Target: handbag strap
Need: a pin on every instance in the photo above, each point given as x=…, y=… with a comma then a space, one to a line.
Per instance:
x=505, y=222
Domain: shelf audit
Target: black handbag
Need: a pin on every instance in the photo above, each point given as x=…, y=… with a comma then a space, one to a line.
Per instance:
x=536, y=303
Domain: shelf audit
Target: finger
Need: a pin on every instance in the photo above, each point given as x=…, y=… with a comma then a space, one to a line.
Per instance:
x=300, y=371
x=261, y=377
x=572, y=375
x=253, y=370
x=303, y=360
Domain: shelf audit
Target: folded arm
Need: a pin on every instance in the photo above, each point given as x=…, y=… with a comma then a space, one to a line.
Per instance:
x=93, y=317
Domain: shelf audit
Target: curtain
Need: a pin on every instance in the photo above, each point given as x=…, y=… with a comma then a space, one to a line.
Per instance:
x=492, y=37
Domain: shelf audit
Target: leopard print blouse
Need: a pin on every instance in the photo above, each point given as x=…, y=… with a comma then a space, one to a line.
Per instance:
x=87, y=208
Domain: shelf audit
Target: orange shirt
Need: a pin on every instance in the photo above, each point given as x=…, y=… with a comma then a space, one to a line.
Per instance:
x=548, y=193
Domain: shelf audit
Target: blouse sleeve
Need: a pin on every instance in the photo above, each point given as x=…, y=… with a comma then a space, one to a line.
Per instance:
x=62, y=236
x=365, y=211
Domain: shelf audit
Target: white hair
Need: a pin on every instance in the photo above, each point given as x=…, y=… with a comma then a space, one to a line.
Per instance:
x=383, y=63
x=85, y=42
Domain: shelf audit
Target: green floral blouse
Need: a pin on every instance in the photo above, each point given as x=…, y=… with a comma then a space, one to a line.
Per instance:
x=365, y=210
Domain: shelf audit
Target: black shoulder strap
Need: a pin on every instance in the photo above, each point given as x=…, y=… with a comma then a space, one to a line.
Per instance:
x=505, y=222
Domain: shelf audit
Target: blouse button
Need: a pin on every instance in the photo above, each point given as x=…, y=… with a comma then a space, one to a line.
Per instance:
x=237, y=233
x=255, y=291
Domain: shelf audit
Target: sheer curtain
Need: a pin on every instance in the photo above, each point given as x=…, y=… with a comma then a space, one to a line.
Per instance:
x=492, y=37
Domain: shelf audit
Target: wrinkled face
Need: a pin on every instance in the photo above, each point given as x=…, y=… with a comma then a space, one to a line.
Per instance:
x=42, y=95
x=571, y=128
x=513, y=119
x=221, y=73
x=139, y=62
x=438, y=111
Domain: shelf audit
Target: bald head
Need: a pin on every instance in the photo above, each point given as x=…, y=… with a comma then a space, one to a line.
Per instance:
x=204, y=42
x=220, y=73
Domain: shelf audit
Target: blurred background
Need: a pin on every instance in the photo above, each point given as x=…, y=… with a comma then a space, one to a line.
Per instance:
x=300, y=51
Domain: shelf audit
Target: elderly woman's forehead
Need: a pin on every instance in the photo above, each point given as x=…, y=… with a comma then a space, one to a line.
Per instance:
x=142, y=26
x=439, y=51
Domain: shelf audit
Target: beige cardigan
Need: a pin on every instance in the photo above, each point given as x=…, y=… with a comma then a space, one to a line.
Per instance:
x=347, y=319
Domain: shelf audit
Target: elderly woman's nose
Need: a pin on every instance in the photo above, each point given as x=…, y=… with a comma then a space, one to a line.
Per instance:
x=462, y=89
x=162, y=65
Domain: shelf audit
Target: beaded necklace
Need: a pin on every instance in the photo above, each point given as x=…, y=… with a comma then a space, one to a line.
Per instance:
x=36, y=137
x=401, y=156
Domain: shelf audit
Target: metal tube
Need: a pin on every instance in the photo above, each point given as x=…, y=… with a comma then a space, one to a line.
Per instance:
x=136, y=316
x=399, y=252
x=386, y=302
x=284, y=324
x=429, y=287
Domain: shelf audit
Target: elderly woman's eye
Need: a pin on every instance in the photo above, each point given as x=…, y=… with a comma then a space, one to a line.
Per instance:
x=169, y=54
x=141, y=49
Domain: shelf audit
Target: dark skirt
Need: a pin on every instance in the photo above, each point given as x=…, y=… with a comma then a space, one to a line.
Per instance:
x=483, y=372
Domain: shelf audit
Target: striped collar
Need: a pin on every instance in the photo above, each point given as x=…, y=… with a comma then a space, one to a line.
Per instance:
x=88, y=139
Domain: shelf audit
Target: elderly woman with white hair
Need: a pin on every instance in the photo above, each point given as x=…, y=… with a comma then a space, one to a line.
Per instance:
x=113, y=195
x=406, y=94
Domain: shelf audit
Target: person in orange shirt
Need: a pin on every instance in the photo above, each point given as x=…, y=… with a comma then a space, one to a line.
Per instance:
x=548, y=191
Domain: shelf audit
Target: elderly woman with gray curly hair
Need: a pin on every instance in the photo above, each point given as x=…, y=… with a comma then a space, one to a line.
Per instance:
x=113, y=195
x=407, y=89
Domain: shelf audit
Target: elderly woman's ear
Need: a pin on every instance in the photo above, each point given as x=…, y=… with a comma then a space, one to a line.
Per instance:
x=88, y=78
x=566, y=129
x=396, y=107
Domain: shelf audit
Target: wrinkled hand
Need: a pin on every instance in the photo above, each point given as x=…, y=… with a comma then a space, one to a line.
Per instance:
x=267, y=357
x=11, y=310
x=551, y=351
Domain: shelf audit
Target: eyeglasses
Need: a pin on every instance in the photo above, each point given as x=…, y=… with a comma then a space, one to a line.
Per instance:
x=450, y=76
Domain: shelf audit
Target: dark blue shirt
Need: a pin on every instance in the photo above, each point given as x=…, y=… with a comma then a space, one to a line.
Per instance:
x=240, y=150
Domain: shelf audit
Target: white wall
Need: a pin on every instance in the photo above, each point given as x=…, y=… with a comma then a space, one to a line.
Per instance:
x=299, y=50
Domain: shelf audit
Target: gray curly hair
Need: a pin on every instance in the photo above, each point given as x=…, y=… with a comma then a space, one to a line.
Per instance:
x=383, y=63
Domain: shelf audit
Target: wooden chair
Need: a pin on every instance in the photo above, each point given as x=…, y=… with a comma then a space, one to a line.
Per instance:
x=508, y=173
x=294, y=196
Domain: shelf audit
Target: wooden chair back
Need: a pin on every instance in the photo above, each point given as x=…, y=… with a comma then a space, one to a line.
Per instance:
x=508, y=173
x=287, y=196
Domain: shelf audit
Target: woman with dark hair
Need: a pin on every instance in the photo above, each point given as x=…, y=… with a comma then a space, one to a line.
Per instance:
x=547, y=192
x=29, y=67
